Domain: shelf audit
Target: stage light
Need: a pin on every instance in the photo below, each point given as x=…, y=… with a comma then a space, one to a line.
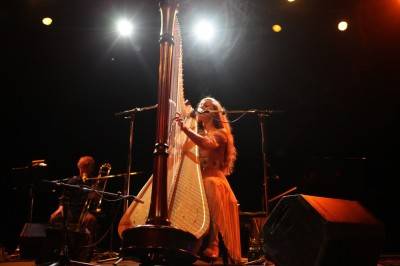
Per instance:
x=204, y=31
x=47, y=21
x=342, y=25
x=290, y=1
x=124, y=27
x=276, y=28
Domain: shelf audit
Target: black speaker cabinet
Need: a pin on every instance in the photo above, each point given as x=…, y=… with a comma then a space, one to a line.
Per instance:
x=33, y=244
x=304, y=230
x=44, y=243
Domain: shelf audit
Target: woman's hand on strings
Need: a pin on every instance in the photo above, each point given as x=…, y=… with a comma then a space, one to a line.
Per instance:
x=179, y=119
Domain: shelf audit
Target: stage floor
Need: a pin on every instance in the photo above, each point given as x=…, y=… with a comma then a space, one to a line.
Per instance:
x=384, y=260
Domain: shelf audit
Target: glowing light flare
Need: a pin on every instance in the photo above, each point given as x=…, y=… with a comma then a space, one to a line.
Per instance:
x=124, y=27
x=47, y=21
x=290, y=1
x=343, y=25
x=276, y=28
x=204, y=31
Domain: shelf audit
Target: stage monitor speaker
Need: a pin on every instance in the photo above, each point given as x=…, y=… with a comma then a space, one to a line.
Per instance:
x=33, y=242
x=304, y=230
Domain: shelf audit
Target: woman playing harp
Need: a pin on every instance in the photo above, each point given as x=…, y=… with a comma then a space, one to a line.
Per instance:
x=217, y=156
x=175, y=203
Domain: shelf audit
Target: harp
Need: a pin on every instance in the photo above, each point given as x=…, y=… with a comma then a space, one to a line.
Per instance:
x=175, y=214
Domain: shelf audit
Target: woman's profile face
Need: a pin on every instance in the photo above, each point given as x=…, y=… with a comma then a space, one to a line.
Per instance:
x=204, y=106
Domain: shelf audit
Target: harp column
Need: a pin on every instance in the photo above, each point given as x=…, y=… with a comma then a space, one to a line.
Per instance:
x=158, y=213
x=156, y=242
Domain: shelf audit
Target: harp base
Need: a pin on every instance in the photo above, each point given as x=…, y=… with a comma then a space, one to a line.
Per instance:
x=160, y=245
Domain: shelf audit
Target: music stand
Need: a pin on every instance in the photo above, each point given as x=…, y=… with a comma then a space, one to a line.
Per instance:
x=33, y=177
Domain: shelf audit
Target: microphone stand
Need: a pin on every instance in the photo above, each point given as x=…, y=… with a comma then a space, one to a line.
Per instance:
x=128, y=114
x=261, y=119
x=110, y=254
x=262, y=114
x=255, y=237
x=89, y=189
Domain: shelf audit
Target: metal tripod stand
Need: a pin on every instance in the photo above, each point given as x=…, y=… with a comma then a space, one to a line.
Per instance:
x=128, y=114
x=255, y=241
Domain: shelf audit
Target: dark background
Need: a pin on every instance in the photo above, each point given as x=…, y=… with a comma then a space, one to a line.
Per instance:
x=338, y=136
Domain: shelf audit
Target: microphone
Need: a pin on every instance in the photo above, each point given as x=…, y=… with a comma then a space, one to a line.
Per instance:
x=62, y=180
x=84, y=177
x=136, y=110
x=201, y=111
x=193, y=113
x=58, y=180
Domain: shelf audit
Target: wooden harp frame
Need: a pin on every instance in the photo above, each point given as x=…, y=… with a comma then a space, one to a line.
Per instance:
x=156, y=242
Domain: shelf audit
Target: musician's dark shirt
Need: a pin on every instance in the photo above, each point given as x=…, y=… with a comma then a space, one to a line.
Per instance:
x=73, y=199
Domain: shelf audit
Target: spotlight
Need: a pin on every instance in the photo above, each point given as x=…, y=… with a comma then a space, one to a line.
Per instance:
x=276, y=28
x=47, y=21
x=343, y=25
x=204, y=31
x=124, y=27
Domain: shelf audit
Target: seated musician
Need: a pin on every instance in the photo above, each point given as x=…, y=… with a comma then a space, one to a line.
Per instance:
x=72, y=205
x=217, y=156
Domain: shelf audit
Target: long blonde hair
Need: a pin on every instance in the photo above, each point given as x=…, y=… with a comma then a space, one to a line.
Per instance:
x=220, y=121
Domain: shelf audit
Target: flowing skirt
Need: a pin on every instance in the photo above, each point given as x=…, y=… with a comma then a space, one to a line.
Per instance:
x=224, y=212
